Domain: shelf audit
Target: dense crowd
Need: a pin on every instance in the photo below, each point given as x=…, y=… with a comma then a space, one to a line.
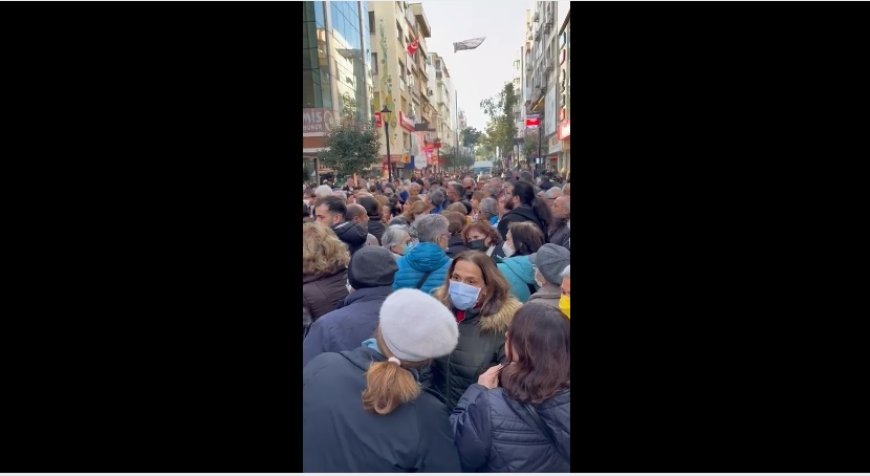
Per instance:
x=436, y=325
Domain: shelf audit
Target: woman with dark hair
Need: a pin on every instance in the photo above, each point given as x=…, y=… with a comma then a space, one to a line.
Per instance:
x=522, y=206
x=525, y=424
x=523, y=239
x=480, y=299
x=481, y=236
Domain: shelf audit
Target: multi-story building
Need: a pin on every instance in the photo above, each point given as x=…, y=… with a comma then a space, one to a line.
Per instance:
x=336, y=73
x=564, y=96
x=442, y=94
x=400, y=77
x=542, y=88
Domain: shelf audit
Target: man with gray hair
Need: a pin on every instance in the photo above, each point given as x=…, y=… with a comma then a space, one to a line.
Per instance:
x=560, y=231
x=489, y=211
x=424, y=266
x=322, y=191
x=437, y=197
x=396, y=240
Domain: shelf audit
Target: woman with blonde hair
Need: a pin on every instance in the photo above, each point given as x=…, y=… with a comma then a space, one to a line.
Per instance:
x=324, y=272
x=365, y=410
x=480, y=299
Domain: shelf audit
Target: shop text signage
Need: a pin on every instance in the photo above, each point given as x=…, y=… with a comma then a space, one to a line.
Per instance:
x=317, y=121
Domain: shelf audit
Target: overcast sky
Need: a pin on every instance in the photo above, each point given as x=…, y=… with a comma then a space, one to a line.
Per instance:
x=481, y=72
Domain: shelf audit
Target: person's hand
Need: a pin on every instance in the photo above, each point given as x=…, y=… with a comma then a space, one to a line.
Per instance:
x=489, y=379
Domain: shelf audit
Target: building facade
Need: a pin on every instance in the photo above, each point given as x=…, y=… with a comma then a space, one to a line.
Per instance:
x=336, y=72
x=543, y=94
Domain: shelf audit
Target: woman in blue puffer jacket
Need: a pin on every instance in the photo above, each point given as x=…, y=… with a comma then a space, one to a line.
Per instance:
x=523, y=239
x=523, y=425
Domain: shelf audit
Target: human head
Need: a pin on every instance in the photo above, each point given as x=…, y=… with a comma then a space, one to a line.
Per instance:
x=437, y=197
x=476, y=197
x=322, y=251
x=549, y=261
x=488, y=208
x=340, y=194
x=371, y=266
x=455, y=192
x=566, y=190
x=468, y=183
x=433, y=229
x=549, y=195
x=372, y=205
x=413, y=328
x=476, y=269
x=414, y=189
x=330, y=210
x=323, y=191
x=523, y=194
x=456, y=220
x=538, y=343
x=562, y=207
x=566, y=281
x=357, y=214
x=524, y=237
x=395, y=239
x=458, y=207
x=481, y=230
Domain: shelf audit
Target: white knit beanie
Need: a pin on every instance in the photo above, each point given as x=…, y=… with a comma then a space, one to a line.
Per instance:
x=416, y=326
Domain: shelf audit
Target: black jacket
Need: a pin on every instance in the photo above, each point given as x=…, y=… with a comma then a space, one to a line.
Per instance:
x=323, y=293
x=455, y=246
x=376, y=228
x=561, y=236
x=492, y=437
x=519, y=214
x=481, y=345
x=338, y=435
x=352, y=234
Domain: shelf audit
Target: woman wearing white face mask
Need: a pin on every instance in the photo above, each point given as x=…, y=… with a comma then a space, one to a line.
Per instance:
x=523, y=239
x=480, y=299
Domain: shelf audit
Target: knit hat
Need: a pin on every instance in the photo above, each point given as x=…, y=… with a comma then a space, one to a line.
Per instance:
x=370, y=267
x=416, y=326
x=551, y=260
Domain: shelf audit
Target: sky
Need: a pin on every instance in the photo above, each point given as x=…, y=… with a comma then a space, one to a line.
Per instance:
x=482, y=72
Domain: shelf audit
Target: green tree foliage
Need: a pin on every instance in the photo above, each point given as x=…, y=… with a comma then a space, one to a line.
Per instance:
x=470, y=136
x=501, y=129
x=352, y=148
x=455, y=161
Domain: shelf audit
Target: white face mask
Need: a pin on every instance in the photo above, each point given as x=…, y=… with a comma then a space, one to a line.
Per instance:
x=539, y=280
x=508, y=249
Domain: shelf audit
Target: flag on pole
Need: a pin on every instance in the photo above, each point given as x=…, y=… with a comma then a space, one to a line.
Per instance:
x=468, y=44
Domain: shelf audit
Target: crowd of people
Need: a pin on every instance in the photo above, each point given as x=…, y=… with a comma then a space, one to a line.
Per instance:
x=436, y=325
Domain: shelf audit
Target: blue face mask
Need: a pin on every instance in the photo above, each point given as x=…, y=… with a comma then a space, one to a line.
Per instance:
x=463, y=296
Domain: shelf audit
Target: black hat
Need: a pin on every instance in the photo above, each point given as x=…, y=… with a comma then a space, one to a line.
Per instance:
x=370, y=267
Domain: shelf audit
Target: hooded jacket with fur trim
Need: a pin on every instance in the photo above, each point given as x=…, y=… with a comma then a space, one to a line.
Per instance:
x=481, y=345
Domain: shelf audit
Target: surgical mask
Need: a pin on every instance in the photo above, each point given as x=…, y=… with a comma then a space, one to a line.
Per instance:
x=565, y=305
x=463, y=296
x=539, y=280
x=478, y=245
x=508, y=249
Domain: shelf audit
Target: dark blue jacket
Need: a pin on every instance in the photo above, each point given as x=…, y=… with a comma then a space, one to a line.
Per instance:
x=491, y=437
x=421, y=259
x=338, y=435
x=346, y=327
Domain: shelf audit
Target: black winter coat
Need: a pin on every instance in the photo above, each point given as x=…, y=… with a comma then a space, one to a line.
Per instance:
x=376, y=228
x=492, y=437
x=352, y=234
x=455, y=245
x=338, y=435
x=481, y=345
x=521, y=213
x=561, y=236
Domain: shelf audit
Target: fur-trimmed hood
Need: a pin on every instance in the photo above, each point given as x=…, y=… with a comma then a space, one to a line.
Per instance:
x=498, y=322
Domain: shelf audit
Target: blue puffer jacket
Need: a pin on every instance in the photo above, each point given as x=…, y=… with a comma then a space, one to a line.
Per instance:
x=419, y=260
x=492, y=437
x=520, y=273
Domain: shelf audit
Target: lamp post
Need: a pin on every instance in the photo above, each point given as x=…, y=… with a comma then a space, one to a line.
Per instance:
x=540, y=135
x=385, y=112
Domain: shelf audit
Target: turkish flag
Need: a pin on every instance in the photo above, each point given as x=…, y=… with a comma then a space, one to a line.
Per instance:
x=412, y=48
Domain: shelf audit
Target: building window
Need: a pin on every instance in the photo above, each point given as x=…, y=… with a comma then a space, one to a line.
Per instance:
x=371, y=21
x=374, y=63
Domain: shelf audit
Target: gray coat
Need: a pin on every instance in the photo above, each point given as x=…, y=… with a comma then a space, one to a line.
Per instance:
x=549, y=295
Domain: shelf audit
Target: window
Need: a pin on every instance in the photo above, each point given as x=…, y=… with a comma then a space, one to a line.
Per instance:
x=371, y=21
x=374, y=63
x=399, y=28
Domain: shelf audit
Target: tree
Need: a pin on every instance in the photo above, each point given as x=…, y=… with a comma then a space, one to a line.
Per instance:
x=455, y=160
x=352, y=148
x=501, y=129
x=470, y=136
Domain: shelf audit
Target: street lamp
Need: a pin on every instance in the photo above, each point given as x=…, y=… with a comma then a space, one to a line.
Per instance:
x=385, y=113
x=540, y=136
